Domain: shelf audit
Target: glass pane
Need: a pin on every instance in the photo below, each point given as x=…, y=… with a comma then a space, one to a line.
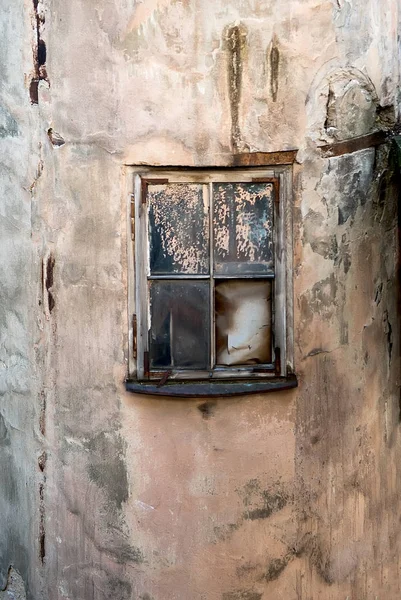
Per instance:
x=179, y=324
x=178, y=229
x=243, y=228
x=243, y=322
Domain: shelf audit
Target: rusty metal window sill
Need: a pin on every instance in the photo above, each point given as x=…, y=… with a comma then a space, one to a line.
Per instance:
x=199, y=389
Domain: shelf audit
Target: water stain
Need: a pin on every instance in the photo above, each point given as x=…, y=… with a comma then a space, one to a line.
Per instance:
x=235, y=43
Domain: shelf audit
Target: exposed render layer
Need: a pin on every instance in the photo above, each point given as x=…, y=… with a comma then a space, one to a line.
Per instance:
x=106, y=495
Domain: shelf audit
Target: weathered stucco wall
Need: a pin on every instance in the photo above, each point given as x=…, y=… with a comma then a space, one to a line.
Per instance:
x=107, y=495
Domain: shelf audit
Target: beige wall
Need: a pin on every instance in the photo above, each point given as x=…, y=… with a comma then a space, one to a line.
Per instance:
x=290, y=495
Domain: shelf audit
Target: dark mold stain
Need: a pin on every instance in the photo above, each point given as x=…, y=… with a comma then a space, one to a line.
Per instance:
x=146, y=596
x=127, y=553
x=242, y=595
x=259, y=503
x=310, y=546
x=235, y=40
x=207, y=409
x=49, y=280
x=274, y=68
x=276, y=567
x=107, y=467
x=119, y=589
x=271, y=503
x=320, y=299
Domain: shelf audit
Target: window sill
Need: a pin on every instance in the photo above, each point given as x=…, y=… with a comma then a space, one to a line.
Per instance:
x=199, y=389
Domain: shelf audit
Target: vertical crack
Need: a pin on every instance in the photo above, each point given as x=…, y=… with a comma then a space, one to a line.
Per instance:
x=39, y=54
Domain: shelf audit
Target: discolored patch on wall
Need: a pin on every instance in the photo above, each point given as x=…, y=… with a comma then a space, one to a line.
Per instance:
x=346, y=183
x=8, y=125
x=207, y=409
x=320, y=299
x=276, y=566
x=224, y=532
x=119, y=588
x=318, y=233
x=15, y=586
x=106, y=466
x=261, y=503
x=235, y=43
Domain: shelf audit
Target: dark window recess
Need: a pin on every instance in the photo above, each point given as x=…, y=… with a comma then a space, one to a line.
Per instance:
x=210, y=285
x=180, y=324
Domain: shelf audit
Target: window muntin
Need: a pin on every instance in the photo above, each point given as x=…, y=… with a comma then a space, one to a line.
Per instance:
x=210, y=283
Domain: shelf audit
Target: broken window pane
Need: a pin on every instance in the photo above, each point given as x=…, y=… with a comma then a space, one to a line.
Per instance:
x=243, y=228
x=243, y=322
x=178, y=229
x=179, y=324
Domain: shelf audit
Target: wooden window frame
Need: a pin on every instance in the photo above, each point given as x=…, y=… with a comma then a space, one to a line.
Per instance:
x=228, y=380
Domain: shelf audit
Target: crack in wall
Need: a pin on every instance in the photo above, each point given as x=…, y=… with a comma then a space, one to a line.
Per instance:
x=39, y=54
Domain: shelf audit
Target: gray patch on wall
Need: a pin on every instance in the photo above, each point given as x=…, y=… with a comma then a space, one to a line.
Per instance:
x=107, y=467
x=346, y=183
x=8, y=125
x=15, y=588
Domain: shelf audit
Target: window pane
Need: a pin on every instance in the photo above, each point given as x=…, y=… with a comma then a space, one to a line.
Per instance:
x=178, y=229
x=243, y=228
x=179, y=324
x=243, y=322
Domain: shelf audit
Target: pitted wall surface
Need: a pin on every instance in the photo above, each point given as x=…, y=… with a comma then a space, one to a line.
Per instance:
x=108, y=495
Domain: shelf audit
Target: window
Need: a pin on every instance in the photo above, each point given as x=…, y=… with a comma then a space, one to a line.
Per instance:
x=210, y=296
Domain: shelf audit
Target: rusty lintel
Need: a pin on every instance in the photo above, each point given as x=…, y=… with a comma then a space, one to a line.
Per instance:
x=354, y=144
x=261, y=159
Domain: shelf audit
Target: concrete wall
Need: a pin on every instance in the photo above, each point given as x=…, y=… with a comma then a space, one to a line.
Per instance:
x=107, y=495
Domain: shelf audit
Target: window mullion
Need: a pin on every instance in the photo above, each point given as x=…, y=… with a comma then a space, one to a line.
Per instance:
x=280, y=282
x=212, y=312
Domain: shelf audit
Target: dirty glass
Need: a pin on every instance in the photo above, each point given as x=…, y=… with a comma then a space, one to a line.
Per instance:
x=243, y=228
x=180, y=324
x=243, y=311
x=178, y=229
